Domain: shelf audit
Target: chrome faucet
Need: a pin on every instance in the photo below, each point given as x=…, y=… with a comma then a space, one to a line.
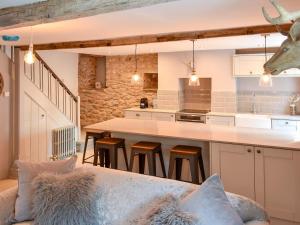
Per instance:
x=254, y=111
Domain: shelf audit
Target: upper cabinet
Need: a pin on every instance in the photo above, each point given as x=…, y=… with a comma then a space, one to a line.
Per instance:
x=253, y=65
x=248, y=65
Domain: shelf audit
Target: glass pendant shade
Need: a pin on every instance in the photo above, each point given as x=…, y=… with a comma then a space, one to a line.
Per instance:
x=29, y=57
x=265, y=80
x=135, y=79
x=194, y=79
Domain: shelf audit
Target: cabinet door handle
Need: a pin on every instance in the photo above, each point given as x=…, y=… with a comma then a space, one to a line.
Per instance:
x=137, y=114
x=258, y=151
x=249, y=150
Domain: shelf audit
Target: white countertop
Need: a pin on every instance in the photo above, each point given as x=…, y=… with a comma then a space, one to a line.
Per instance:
x=201, y=132
x=137, y=109
x=272, y=116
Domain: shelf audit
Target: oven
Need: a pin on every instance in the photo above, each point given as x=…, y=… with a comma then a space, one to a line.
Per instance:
x=189, y=115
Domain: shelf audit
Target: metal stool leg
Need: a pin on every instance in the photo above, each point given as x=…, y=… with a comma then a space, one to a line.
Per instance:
x=85, y=147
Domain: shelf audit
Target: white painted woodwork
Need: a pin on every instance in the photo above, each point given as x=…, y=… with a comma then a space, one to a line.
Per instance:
x=221, y=120
x=142, y=115
x=269, y=176
x=284, y=125
x=253, y=121
x=248, y=65
x=235, y=165
x=277, y=182
x=35, y=141
x=138, y=115
x=252, y=65
x=163, y=116
x=35, y=132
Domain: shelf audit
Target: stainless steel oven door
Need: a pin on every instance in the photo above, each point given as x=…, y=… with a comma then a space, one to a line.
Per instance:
x=190, y=118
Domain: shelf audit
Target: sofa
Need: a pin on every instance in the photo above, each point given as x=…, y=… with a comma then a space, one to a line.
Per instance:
x=124, y=195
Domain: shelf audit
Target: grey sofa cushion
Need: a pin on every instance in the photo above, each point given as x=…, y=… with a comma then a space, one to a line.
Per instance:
x=211, y=205
x=248, y=209
x=27, y=171
x=70, y=199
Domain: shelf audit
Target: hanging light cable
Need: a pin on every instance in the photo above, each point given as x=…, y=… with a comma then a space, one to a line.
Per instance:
x=135, y=79
x=194, y=79
x=265, y=79
x=29, y=57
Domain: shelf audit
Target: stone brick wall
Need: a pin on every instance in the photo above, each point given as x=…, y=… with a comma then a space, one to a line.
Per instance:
x=108, y=103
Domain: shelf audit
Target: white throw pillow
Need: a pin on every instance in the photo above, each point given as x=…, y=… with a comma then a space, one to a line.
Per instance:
x=211, y=205
x=27, y=172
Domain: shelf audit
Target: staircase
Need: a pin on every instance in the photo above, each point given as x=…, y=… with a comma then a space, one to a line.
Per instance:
x=47, y=106
x=49, y=83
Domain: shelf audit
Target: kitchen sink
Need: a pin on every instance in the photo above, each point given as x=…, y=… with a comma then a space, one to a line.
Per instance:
x=253, y=120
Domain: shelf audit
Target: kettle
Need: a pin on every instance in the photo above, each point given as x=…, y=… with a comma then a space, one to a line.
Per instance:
x=144, y=103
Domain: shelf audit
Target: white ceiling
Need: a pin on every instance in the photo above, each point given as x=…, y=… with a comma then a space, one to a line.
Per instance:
x=183, y=15
x=10, y=3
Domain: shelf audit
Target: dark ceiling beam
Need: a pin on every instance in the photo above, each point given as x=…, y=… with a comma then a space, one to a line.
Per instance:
x=156, y=38
x=58, y=10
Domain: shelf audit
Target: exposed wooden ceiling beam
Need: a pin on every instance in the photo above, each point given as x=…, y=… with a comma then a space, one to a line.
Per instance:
x=255, y=50
x=155, y=38
x=58, y=10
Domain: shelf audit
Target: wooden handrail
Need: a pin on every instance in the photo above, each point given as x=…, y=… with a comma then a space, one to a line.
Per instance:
x=55, y=76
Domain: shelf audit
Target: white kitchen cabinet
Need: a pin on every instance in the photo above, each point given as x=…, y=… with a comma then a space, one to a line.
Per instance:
x=221, y=120
x=248, y=65
x=235, y=165
x=253, y=121
x=138, y=115
x=277, y=182
x=163, y=116
x=269, y=176
x=284, y=125
x=251, y=65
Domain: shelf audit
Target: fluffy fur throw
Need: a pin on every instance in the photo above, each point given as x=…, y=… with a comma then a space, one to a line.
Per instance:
x=165, y=211
x=70, y=199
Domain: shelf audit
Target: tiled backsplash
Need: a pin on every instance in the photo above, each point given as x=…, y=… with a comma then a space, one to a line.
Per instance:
x=167, y=99
x=197, y=97
x=224, y=102
x=263, y=102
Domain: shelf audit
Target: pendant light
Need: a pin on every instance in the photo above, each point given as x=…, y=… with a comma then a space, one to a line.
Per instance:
x=194, y=79
x=29, y=57
x=136, y=78
x=265, y=79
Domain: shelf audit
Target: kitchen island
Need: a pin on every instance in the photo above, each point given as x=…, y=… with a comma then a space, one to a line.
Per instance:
x=261, y=164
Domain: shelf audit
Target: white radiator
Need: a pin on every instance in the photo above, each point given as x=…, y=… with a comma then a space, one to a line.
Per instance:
x=63, y=142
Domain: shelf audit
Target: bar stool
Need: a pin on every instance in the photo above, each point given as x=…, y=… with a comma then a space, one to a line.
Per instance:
x=107, y=149
x=193, y=155
x=95, y=136
x=145, y=149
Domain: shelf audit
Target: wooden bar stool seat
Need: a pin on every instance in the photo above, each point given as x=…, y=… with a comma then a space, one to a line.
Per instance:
x=95, y=136
x=147, y=149
x=194, y=155
x=107, y=150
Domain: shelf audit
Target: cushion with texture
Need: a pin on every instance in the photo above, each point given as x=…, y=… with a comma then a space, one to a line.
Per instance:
x=211, y=205
x=69, y=199
x=248, y=209
x=27, y=171
x=165, y=211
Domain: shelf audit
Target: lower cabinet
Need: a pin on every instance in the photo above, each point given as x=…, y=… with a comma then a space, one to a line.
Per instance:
x=221, y=120
x=161, y=116
x=269, y=176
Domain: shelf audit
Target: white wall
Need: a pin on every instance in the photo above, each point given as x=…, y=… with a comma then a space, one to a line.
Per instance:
x=5, y=148
x=65, y=65
x=214, y=64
